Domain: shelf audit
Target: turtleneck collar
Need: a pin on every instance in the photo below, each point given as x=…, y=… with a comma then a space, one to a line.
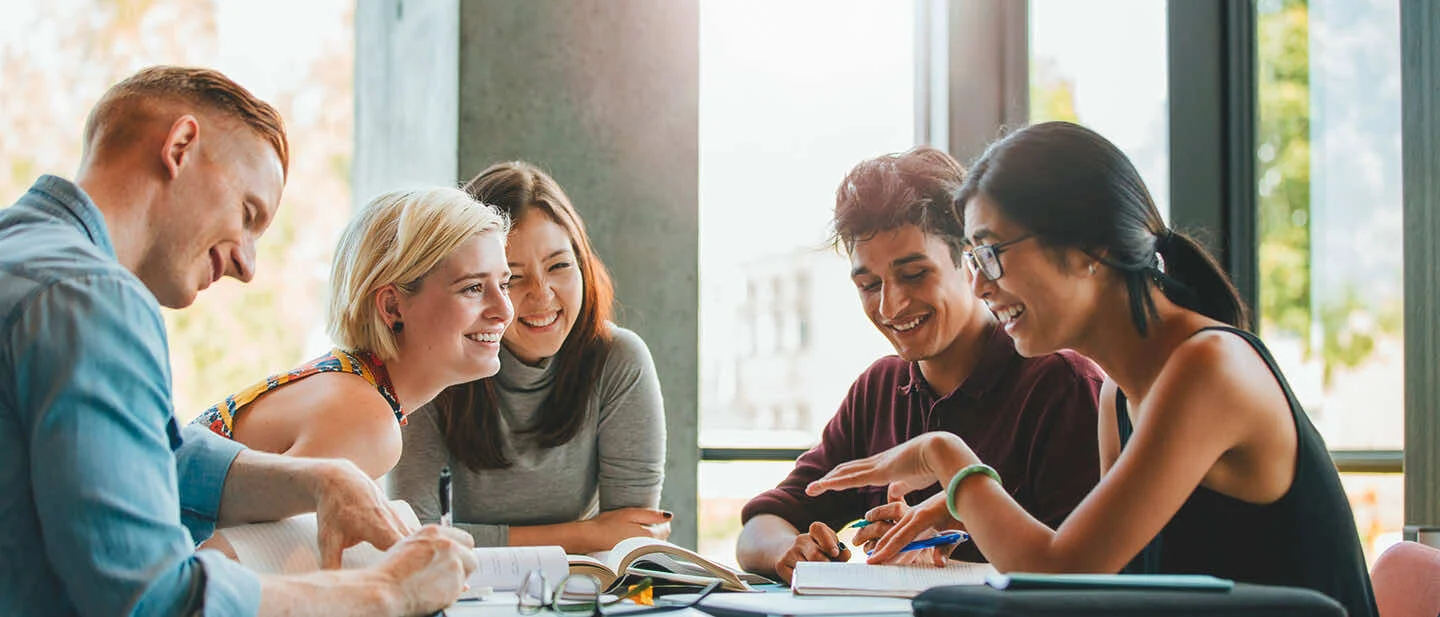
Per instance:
x=516, y=375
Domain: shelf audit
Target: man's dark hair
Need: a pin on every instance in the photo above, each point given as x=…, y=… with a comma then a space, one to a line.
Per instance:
x=915, y=187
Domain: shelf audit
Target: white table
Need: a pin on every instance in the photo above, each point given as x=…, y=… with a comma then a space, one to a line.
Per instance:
x=504, y=605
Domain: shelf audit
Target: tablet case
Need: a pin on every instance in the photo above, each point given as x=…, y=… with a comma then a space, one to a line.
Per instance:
x=1243, y=600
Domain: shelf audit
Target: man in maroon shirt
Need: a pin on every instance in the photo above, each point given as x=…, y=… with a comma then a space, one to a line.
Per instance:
x=1033, y=419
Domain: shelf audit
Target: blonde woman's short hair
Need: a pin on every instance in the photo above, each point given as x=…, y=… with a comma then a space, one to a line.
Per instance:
x=397, y=239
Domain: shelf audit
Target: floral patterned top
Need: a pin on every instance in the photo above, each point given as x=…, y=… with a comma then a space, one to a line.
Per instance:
x=221, y=417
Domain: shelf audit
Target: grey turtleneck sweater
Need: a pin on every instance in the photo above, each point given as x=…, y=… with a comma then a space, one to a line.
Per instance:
x=617, y=460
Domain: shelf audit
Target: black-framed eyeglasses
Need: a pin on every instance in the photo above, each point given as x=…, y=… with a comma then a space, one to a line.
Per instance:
x=986, y=257
x=581, y=594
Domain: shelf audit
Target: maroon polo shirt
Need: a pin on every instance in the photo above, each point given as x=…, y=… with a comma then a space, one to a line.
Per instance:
x=1032, y=419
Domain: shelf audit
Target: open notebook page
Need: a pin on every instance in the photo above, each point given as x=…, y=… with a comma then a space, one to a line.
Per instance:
x=860, y=579
x=290, y=546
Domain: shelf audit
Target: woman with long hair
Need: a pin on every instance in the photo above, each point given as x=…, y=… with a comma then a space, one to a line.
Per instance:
x=566, y=445
x=1209, y=464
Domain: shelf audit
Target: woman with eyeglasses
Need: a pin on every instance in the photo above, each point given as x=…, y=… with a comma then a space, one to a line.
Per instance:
x=1209, y=463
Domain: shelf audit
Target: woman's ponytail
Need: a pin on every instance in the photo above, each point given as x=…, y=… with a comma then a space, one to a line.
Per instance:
x=1191, y=278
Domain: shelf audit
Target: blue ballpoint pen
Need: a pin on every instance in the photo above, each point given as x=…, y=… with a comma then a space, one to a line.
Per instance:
x=955, y=537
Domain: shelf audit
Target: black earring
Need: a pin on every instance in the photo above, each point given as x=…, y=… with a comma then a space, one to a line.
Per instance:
x=398, y=327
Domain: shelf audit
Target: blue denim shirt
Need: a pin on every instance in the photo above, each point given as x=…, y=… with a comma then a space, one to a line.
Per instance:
x=101, y=494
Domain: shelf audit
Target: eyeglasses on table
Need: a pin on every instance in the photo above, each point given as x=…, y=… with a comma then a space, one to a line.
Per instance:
x=582, y=594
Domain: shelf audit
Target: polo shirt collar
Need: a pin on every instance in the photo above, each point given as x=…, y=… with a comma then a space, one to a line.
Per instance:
x=66, y=200
x=995, y=360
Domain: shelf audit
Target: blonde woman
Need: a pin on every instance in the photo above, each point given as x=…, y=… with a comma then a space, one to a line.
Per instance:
x=418, y=302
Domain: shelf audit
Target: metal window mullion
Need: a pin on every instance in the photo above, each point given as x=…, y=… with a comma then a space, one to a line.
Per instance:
x=1420, y=147
x=1212, y=131
x=1369, y=461
x=988, y=72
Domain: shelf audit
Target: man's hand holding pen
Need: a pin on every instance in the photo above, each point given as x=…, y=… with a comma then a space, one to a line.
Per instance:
x=818, y=543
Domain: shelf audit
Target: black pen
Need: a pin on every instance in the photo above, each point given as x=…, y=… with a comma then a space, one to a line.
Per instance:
x=445, y=503
x=446, y=515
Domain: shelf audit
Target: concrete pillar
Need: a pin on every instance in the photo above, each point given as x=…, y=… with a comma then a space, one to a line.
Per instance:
x=1420, y=96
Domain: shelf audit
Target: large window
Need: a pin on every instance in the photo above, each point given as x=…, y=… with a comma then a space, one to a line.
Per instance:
x=1329, y=184
x=56, y=58
x=1102, y=63
x=792, y=94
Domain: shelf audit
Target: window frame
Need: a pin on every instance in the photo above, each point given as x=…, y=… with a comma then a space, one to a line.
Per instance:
x=1420, y=148
x=1213, y=117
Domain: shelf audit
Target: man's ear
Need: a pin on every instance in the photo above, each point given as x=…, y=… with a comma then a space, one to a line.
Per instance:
x=387, y=304
x=180, y=143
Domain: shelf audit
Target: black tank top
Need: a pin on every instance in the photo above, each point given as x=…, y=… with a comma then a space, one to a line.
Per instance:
x=1306, y=538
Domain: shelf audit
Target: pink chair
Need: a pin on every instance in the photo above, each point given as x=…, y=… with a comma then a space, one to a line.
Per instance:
x=1406, y=578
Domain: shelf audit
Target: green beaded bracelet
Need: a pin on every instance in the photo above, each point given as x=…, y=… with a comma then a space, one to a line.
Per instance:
x=980, y=468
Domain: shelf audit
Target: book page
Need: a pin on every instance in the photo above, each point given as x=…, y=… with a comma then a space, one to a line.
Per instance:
x=668, y=555
x=632, y=554
x=828, y=578
x=625, y=550
x=586, y=564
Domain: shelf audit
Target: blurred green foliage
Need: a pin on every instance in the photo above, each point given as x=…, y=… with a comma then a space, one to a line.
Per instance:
x=1349, y=323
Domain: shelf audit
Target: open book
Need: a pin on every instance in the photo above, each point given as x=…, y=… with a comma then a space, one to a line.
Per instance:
x=821, y=578
x=661, y=560
x=289, y=546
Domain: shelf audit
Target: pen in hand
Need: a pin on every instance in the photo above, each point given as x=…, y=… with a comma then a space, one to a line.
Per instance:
x=446, y=511
x=954, y=537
